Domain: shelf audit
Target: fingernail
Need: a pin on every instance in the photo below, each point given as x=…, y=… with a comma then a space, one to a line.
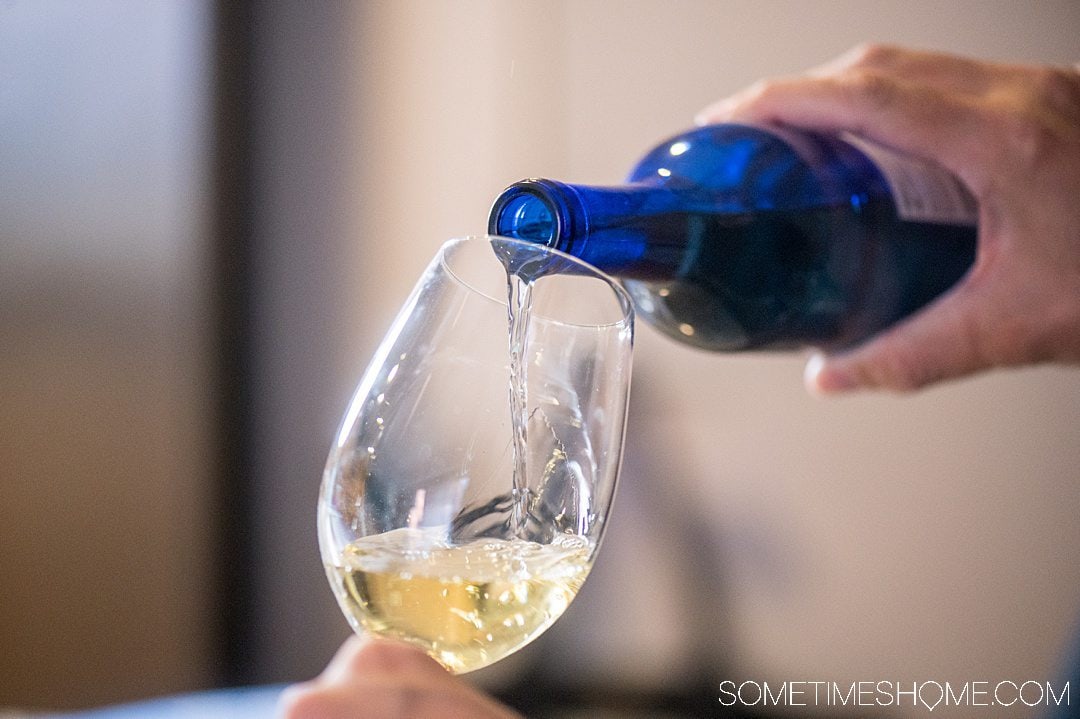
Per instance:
x=822, y=378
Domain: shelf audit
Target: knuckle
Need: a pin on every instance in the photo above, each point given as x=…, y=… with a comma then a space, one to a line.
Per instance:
x=760, y=92
x=759, y=98
x=872, y=88
x=902, y=373
x=1037, y=327
x=873, y=55
x=1011, y=343
x=1029, y=140
x=1058, y=88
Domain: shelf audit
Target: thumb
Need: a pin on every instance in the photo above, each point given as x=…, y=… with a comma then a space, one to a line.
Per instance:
x=360, y=657
x=940, y=342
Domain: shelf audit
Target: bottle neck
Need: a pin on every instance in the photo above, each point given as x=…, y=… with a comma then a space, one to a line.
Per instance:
x=620, y=230
x=540, y=211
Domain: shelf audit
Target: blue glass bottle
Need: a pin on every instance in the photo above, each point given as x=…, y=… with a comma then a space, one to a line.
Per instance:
x=735, y=237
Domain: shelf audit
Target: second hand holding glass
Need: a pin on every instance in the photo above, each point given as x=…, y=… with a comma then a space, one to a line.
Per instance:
x=432, y=528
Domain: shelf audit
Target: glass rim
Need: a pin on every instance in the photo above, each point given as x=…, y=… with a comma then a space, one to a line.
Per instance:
x=622, y=296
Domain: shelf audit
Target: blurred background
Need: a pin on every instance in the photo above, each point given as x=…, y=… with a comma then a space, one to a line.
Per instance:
x=209, y=214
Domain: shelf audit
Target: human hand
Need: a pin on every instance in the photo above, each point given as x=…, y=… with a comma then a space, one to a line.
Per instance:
x=1011, y=133
x=383, y=680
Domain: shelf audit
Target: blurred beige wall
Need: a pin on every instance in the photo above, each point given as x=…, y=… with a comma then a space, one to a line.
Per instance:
x=105, y=493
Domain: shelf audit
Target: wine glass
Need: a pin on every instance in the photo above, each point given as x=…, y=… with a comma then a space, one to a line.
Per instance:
x=434, y=530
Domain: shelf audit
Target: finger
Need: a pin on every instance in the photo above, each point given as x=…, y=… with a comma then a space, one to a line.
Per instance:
x=916, y=119
x=389, y=698
x=942, y=342
x=944, y=71
x=381, y=697
x=364, y=657
x=314, y=699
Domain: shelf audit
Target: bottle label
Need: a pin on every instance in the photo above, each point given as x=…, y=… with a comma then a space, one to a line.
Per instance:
x=922, y=191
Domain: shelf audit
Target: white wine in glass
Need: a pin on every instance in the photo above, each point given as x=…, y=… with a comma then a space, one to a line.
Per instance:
x=466, y=605
x=433, y=529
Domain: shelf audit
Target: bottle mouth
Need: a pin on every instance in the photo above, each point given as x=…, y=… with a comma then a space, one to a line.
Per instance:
x=523, y=212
